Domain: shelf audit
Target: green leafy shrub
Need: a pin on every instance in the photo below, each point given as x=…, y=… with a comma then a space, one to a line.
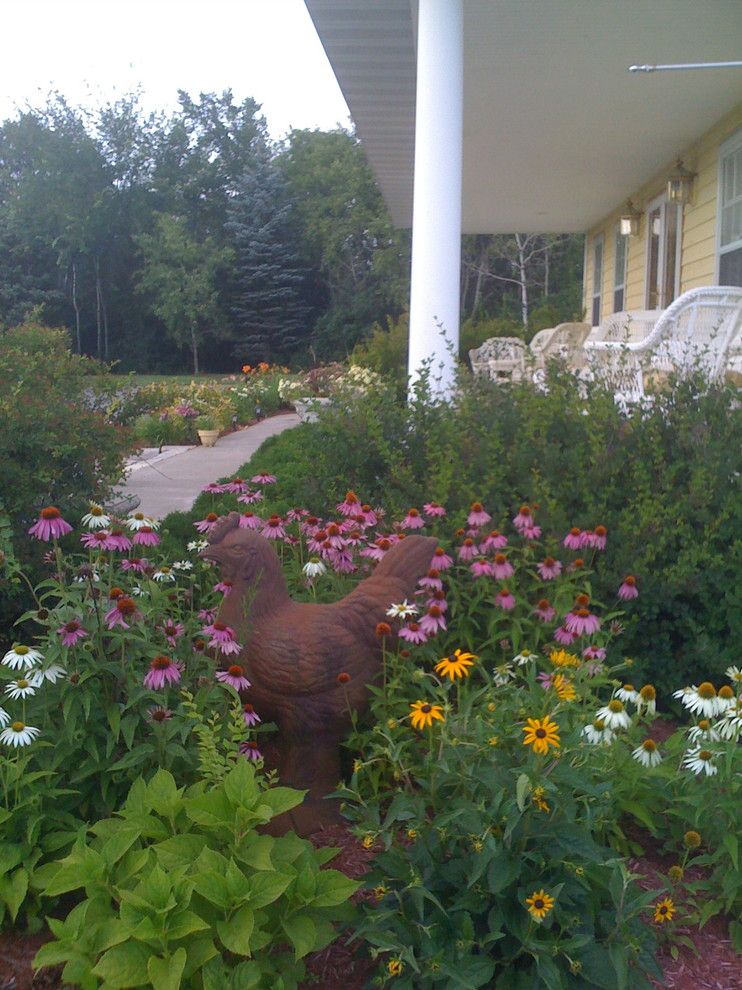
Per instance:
x=156, y=431
x=181, y=890
x=474, y=333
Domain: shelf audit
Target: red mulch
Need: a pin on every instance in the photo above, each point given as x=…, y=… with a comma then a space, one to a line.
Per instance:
x=714, y=965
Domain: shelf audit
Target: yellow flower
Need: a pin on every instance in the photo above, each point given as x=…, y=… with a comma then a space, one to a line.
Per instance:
x=540, y=734
x=357, y=766
x=380, y=892
x=456, y=666
x=564, y=688
x=691, y=840
x=395, y=967
x=539, y=904
x=664, y=910
x=675, y=873
x=367, y=841
x=412, y=834
x=493, y=741
x=560, y=658
x=477, y=845
x=538, y=796
x=423, y=714
x=491, y=707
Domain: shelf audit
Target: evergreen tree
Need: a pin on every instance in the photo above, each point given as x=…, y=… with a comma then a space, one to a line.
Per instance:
x=268, y=300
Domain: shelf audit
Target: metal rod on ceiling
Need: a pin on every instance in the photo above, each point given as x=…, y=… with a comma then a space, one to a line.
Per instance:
x=686, y=65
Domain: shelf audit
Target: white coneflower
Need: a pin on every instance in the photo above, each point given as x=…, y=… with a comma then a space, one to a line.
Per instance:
x=598, y=733
x=730, y=724
x=524, y=657
x=647, y=700
x=503, y=673
x=96, y=518
x=614, y=715
x=647, y=754
x=22, y=657
x=138, y=520
x=700, y=761
x=196, y=546
x=52, y=673
x=703, y=732
x=314, y=568
x=138, y=591
x=702, y=700
x=405, y=610
x=182, y=565
x=4, y=718
x=21, y=688
x=628, y=693
x=726, y=698
x=734, y=674
x=19, y=734
x=164, y=573
x=91, y=575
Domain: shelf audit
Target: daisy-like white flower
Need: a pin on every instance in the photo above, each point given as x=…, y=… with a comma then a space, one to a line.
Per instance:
x=50, y=525
x=726, y=698
x=730, y=724
x=164, y=573
x=19, y=734
x=699, y=761
x=598, y=733
x=627, y=693
x=49, y=672
x=22, y=688
x=647, y=754
x=404, y=610
x=703, y=732
x=196, y=546
x=22, y=657
x=734, y=674
x=614, y=715
x=503, y=673
x=96, y=518
x=234, y=676
x=702, y=700
x=4, y=718
x=314, y=568
x=182, y=565
x=138, y=520
x=524, y=657
x=647, y=701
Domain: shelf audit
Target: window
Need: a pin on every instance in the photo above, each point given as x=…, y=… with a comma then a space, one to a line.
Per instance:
x=730, y=212
x=597, y=278
x=619, y=274
x=664, y=221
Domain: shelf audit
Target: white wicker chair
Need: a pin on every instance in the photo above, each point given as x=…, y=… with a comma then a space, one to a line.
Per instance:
x=565, y=342
x=694, y=332
x=501, y=358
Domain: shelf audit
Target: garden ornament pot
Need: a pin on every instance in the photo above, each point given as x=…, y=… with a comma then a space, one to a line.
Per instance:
x=208, y=438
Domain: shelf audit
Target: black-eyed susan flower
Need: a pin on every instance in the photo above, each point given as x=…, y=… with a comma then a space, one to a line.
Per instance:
x=423, y=714
x=539, y=904
x=562, y=658
x=457, y=665
x=540, y=733
x=664, y=910
x=538, y=796
x=564, y=688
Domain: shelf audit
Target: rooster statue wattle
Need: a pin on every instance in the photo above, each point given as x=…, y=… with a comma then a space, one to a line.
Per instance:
x=293, y=653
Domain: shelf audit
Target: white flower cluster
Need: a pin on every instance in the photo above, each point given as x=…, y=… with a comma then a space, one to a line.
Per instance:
x=32, y=673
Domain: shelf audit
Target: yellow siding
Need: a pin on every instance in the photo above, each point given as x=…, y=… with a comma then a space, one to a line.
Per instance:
x=698, y=248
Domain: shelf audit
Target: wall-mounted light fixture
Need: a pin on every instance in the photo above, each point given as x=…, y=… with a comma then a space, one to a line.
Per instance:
x=630, y=222
x=680, y=184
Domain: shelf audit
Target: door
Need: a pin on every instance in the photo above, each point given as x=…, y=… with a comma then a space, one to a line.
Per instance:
x=663, y=252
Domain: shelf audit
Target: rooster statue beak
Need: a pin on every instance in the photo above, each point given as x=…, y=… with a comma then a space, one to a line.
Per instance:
x=212, y=554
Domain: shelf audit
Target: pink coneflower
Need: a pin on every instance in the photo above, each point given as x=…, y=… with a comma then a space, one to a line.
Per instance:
x=341, y=561
x=505, y=599
x=237, y=486
x=137, y=564
x=544, y=679
x=594, y=653
x=350, y=505
x=580, y=620
x=412, y=633
x=273, y=529
x=224, y=586
x=206, y=524
x=433, y=621
x=124, y=612
x=523, y=518
x=250, y=750
x=468, y=549
x=146, y=537
x=250, y=716
x=234, y=676
x=371, y=516
x=628, y=589
x=120, y=540
x=222, y=638
x=173, y=631
x=549, y=569
x=334, y=538
x=162, y=671
x=251, y=497
x=159, y=714
x=494, y=541
x=437, y=598
x=574, y=539
x=530, y=532
x=353, y=536
x=50, y=525
x=431, y=580
x=544, y=610
x=577, y=564
x=213, y=488
x=413, y=520
x=72, y=632
x=477, y=516
x=248, y=520
x=597, y=538
x=502, y=568
x=434, y=510
x=207, y=615
x=481, y=569
x=441, y=560
x=564, y=637
x=296, y=515
x=263, y=479
x=97, y=539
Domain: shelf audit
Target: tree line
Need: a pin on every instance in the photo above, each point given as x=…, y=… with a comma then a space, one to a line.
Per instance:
x=191, y=239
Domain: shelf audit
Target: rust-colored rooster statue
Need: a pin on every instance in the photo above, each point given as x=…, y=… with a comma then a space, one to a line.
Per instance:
x=293, y=653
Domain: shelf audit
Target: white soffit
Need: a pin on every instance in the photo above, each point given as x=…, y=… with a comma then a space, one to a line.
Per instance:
x=557, y=132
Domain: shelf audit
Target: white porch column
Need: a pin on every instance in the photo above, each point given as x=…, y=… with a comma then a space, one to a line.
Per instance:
x=436, y=217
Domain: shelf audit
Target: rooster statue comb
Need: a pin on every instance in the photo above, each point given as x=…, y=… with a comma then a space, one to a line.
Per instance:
x=293, y=653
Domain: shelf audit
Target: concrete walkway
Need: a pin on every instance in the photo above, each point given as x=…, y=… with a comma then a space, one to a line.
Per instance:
x=171, y=480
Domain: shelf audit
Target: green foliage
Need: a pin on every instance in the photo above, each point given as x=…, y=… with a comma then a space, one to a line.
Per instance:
x=475, y=332
x=155, y=431
x=181, y=890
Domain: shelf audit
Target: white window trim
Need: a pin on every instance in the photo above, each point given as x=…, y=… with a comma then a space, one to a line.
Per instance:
x=663, y=203
x=730, y=145
x=622, y=283
x=598, y=239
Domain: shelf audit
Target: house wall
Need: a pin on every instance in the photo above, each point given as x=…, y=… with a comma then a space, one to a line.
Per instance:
x=699, y=236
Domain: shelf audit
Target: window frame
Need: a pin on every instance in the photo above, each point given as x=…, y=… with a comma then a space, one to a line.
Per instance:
x=599, y=239
x=620, y=286
x=728, y=147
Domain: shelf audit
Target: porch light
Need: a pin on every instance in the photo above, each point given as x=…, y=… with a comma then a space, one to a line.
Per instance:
x=630, y=222
x=680, y=184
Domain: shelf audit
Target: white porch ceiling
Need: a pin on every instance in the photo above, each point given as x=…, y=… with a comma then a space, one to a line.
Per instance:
x=556, y=131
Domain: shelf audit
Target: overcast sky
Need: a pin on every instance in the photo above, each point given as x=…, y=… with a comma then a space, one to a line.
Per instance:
x=95, y=50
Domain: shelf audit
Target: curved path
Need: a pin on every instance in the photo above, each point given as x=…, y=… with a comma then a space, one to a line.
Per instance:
x=170, y=481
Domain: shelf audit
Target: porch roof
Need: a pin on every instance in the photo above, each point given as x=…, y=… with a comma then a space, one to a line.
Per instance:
x=557, y=132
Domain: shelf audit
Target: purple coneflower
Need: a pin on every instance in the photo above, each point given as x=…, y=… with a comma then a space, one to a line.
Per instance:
x=434, y=510
x=206, y=524
x=477, y=516
x=413, y=520
x=120, y=541
x=413, y=633
x=376, y=551
x=530, y=532
x=371, y=516
x=433, y=621
x=146, y=537
x=273, y=529
x=213, y=488
x=251, y=497
x=72, y=632
x=224, y=586
x=494, y=541
x=441, y=560
x=564, y=637
x=248, y=520
x=468, y=549
x=222, y=638
x=431, y=580
x=544, y=610
x=251, y=751
x=597, y=538
x=549, y=569
x=173, y=631
x=594, y=653
x=437, y=598
x=341, y=561
x=249, y=715
x=350, y=505
x=234, y=676
x=482, y=569
x=50, y=525
x=505, y=599
x=159, y=714
x=296, y=515
x=263, y=479
x=138, y=564
x=502, y=568
x=523, y=518
x=628, y=589
x=124, y=609
x=207, y=615
x=162, y=671
x=582, y=622
x=97, y=539
x=544, y=679
x=237, y=486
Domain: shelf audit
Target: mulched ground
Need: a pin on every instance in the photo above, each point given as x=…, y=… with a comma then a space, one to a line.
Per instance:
x=713, y=966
